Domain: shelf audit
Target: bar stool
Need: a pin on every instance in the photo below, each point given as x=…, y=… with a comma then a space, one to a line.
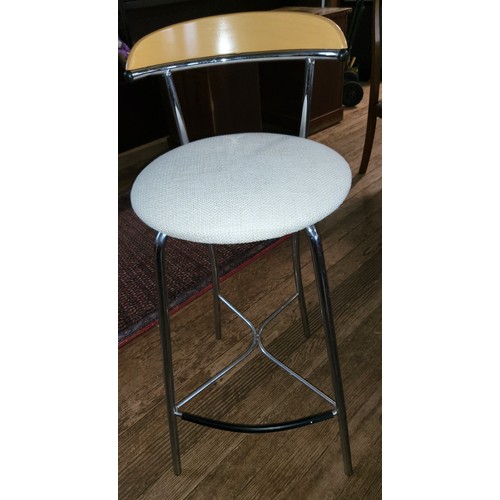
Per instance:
x=242, y=188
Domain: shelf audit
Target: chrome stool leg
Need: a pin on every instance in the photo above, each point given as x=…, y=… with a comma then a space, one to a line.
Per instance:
x=167, y=350
x=298, y=283
x=331, y=343
x=215, y=291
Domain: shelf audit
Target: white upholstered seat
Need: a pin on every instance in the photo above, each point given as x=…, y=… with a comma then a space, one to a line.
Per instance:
x=241, y=188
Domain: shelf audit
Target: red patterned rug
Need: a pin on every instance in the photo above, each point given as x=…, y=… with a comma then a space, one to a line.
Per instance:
x=188, y=271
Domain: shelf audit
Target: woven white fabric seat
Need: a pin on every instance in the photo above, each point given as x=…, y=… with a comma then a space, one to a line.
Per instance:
x=241, y=188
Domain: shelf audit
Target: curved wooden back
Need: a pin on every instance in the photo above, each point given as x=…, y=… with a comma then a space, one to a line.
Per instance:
x=235, y=34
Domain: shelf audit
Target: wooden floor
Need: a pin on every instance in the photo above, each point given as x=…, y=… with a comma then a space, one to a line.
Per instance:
x=299, y=464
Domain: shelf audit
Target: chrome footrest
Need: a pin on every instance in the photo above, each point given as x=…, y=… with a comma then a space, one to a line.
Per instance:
x=260, y=428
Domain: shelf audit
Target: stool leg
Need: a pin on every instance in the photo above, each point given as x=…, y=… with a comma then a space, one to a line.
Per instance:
x=331, y=343
x=167, y=350
x=215, y=291
x=298, y=283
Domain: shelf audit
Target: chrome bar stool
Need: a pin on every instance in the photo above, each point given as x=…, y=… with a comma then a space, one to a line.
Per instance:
x=242, y=188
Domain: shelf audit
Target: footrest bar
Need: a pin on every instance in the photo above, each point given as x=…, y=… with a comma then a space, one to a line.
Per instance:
x=226, y=426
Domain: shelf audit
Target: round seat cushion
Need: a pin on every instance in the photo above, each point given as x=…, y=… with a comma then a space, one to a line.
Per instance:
x=240, y=188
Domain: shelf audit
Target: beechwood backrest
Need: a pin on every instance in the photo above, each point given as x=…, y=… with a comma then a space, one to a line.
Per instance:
x=236, y=38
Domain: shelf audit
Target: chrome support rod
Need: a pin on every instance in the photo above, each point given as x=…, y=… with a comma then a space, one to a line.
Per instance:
x=215, y=291
x=275, y=313
x=295, y=375
x=176, y=106
x=256, y=342
x=282, y=365
x=238, y=360
x=209, y=382
x=239, y=314
x=298, y=283
x=334, y=54
x=331, y=342
x=166, y=345
x=306, y=100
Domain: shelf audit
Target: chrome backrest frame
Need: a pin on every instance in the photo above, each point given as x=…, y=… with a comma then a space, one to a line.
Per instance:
x=309, y=56
x=339, y=55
